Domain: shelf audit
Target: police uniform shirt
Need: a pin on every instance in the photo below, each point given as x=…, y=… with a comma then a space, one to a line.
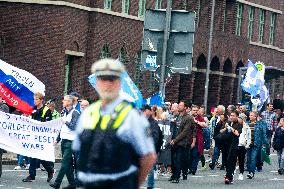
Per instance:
x=134, y=129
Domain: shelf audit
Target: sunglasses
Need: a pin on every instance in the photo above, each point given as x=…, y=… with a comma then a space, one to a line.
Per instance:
x=108, y=78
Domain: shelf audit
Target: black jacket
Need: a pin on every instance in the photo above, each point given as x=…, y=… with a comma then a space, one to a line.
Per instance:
x=156, y=132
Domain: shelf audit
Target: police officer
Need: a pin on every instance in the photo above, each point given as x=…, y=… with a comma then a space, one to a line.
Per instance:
x=116, y=150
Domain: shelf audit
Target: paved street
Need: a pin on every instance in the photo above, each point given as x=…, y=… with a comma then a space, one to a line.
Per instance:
x=268, y=179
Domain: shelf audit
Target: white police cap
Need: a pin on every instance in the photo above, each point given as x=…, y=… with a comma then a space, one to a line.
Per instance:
x=107, y=67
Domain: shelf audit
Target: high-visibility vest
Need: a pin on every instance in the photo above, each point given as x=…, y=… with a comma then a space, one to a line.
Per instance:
x=94, y=117
x=44, y=111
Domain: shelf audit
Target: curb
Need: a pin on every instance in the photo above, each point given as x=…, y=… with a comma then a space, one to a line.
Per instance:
x=14, y=161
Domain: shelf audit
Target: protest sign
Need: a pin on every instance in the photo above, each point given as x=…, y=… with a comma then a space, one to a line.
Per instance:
x=28, y=137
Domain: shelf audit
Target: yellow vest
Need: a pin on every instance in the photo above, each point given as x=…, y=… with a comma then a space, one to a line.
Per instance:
x=93, y=116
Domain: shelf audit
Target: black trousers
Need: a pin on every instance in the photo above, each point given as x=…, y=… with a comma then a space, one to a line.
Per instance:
x=1, y=153
x=181, y=161
x=241, y=154
x=231, y=162
x=129, y=182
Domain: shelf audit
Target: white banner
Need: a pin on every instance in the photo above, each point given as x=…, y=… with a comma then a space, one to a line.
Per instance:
x=29, y=137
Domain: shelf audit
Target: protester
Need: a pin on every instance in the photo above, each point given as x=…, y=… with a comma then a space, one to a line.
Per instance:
x=197, y=151
x=244, y=143
x=233, y=129
x=258, y=138
x=271, y=122
x=116, y=150
x=158, y=141
x=184, y=141
x=215, y=129
x=76, y=103
x=67, y=134
x=278, y=145
x=51, y=105
x=43, y=114
x=84, y=104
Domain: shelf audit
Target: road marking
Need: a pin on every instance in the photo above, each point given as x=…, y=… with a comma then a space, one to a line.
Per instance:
x=197, y=176
x=146, y=188
x=213, y=175
x=273, y=171
x=1, y=185
x=273, y=154
x=15, y=170
x=276, y=179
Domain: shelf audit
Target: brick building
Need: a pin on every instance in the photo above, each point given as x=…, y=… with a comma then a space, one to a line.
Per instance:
x=57, y=41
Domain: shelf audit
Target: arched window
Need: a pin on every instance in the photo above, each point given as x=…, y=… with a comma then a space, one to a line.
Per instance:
x=105, y=53
x=142, y=8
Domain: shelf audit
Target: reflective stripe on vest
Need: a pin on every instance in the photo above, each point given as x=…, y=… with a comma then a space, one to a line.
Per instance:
x=44, y=111
x=94, y=116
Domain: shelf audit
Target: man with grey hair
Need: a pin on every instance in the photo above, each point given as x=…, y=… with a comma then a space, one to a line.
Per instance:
x=109, y=127
x=67, y=134
x=84, y=104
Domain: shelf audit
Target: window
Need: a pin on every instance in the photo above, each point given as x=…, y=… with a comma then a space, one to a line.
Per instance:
x=224, y=18
x=239, y=19
x=142, y=7
x=261, y=25
x=107, y=4
x=272, y=28
x=125, y=6
x=158, y=4
x=105, y=53
x=250, y=23
x=138, y=73
x=122, y=55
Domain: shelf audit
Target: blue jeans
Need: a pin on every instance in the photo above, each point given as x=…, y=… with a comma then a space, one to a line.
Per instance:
x=251, y=158
x=216, y=154
x=151, y=180
x=280, y=154
x=194, y=157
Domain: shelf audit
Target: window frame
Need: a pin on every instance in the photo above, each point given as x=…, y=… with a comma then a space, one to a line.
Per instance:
x=251, y=12
x=272, y=28
x=142, y=8
x=261, y=25
x=125, y=6
x=107, y=4
x=239, y=20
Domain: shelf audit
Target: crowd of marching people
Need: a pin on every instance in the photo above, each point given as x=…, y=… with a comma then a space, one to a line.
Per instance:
x=181, y=134
x=244, y=138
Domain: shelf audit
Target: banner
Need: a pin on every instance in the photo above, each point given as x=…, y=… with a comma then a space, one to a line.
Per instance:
x=17, y=87
x=28, y=137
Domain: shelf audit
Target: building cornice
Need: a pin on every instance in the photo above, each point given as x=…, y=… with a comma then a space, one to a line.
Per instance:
x=76, y=6
x=267, y=46
x=260, y=6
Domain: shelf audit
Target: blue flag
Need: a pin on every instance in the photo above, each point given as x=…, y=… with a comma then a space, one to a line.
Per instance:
x=252, y=83
x=155, y=99
x=129, y=91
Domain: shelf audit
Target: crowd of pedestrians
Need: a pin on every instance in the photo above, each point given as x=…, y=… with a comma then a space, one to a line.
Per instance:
x=170, y=139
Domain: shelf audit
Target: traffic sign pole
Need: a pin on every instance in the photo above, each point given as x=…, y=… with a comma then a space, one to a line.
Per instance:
x=165, y=44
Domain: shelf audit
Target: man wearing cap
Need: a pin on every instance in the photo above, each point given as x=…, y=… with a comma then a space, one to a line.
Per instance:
x=116, y=150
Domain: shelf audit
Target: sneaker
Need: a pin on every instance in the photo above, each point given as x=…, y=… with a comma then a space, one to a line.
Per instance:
x=50, y=176
x=18, y=168
x=211, y=166
x=250, y=176
x=241, y=176
x=204, y=168
x=281, y=171
x=54, y=185
x=227, y=180
x=29, y=179
x=27, y=167
x=69, y=187
x=184, y=177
